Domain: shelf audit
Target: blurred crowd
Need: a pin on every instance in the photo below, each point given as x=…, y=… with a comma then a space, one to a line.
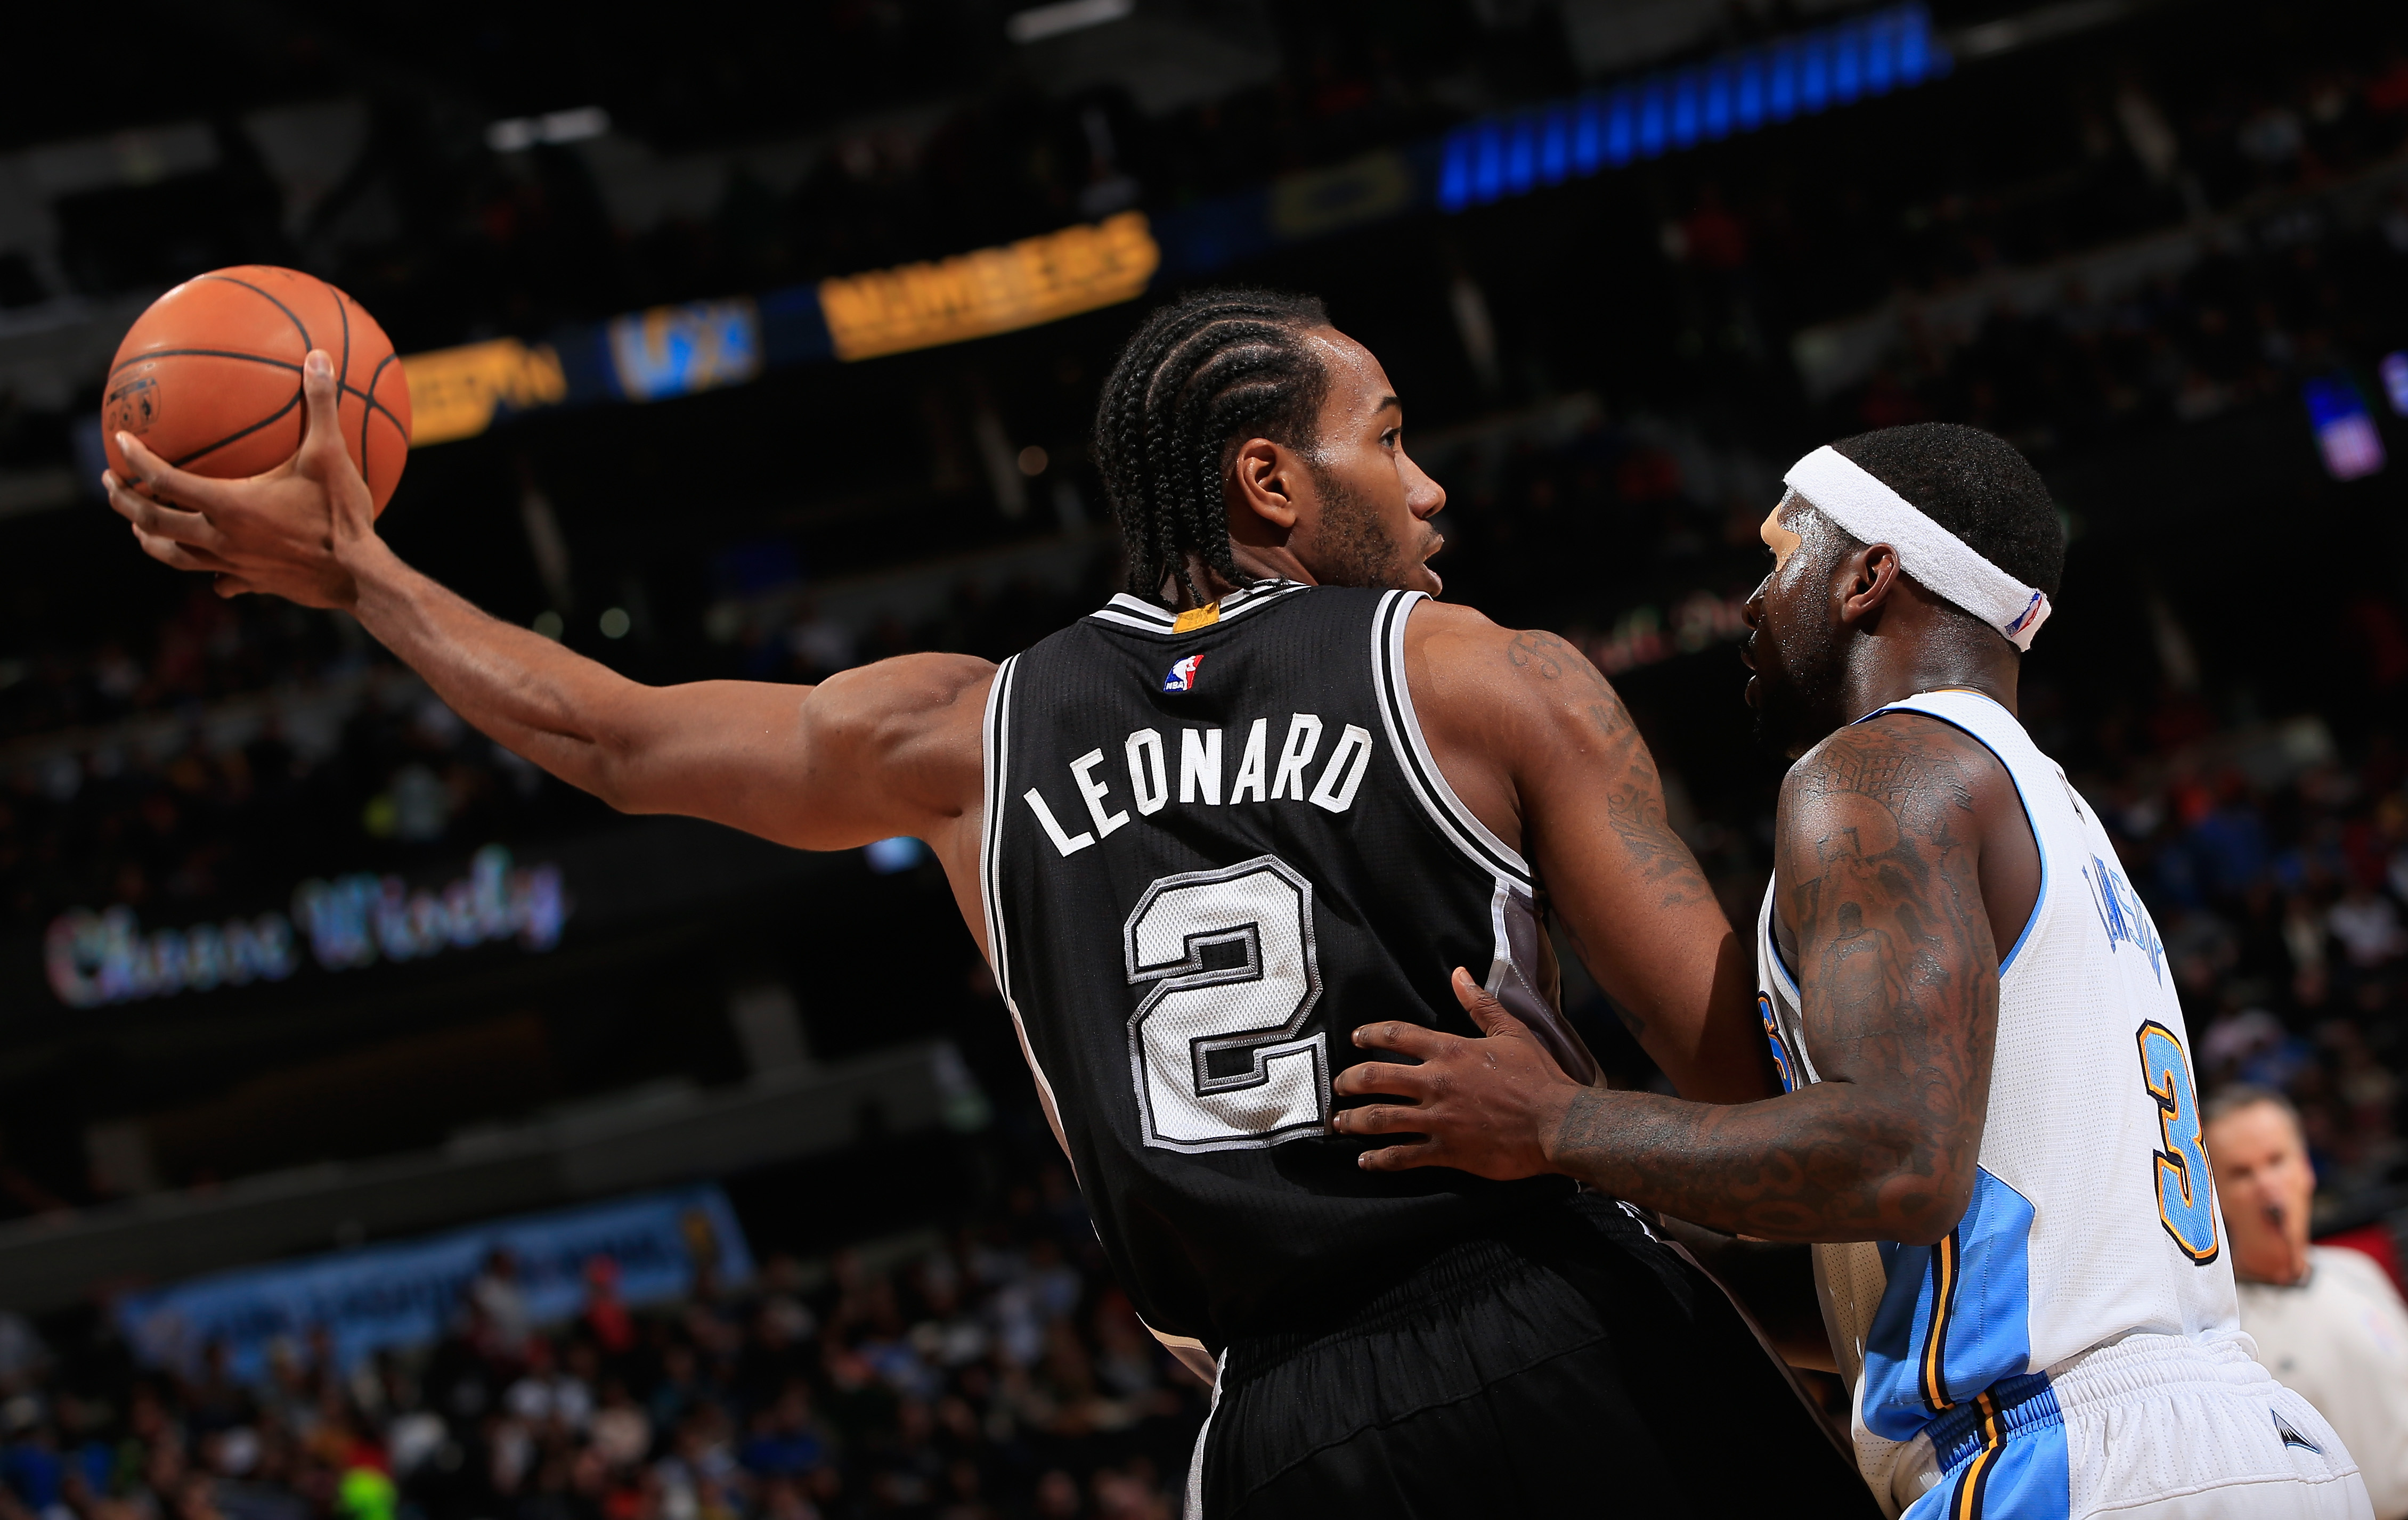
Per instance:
x=2291, y=283
x=213, y=759
x=243, y=746
x=996, y=1374
x=2276, y=868
x=2247, y=323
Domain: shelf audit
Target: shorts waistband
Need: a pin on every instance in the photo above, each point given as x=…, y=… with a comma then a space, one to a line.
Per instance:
x=1510, y=1253
x=1462, y=1270
x=1999, y=1413
x=2138, y=1365
x=2144, y=1364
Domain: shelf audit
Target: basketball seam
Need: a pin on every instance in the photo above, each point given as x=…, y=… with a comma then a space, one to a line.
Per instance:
x=367, y=396
x=342, y=384
x=207, y=353
x=299, y=326
x=343, y=303
x=236, y=437
x=399, y=430
x=275, y=364
x=372, y=409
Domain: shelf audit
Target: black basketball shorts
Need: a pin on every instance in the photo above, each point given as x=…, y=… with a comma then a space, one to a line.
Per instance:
x=1573, y=1366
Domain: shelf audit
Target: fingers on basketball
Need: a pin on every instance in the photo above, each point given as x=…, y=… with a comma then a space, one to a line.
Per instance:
x=211, y=377
x=135, y=505
x=325, y=443
x=149, y=477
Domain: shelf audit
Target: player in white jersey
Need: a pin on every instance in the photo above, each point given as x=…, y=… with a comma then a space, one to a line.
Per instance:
x=1988, y=1127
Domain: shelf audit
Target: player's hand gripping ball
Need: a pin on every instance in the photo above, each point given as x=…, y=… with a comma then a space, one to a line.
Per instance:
x=209, y=377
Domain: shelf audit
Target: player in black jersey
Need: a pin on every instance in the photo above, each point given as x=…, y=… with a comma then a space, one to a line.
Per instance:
x=1272, y=791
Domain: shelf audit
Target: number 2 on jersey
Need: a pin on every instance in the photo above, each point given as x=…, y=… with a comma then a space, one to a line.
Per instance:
x=1218, y=1047
x=2185, y=1193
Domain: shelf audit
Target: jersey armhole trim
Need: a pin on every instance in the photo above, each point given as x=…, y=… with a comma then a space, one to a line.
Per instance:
x=995, y=742
x=995, y=738
x=1773, y=955
x=2040, y=900
x=1422, y=774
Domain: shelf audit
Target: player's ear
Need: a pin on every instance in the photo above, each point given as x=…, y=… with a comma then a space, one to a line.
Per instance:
x=1263, y=487
x=1868, y=576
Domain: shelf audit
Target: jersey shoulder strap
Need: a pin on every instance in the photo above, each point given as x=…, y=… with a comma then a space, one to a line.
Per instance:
x=2055, y=815
x=1983, y=716
x=1429, y=787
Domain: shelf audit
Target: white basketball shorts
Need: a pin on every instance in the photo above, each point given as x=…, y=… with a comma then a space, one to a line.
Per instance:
x=2152, y=1427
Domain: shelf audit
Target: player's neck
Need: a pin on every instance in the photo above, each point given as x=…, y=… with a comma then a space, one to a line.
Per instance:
x=1911, y=655
x=1255, y=561
x=1870, y=691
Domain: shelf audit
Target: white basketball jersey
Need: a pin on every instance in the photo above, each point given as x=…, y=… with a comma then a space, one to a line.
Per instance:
x=2094, y=1215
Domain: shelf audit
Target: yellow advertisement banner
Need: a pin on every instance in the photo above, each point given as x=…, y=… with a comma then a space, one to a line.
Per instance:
x=453, y=392
x=1037, y=279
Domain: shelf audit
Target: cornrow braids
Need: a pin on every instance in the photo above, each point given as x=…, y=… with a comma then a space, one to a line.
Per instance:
x=1200, y=376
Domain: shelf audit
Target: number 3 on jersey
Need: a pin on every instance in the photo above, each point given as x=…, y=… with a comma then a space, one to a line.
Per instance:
x=2185, y=1193
x=1218, y=1048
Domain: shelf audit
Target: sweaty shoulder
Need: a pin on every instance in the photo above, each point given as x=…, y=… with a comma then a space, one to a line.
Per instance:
x=1903, y=758
x=1524, y=685
x=1924, y=783
x=1497, y=705
x=1450, y=652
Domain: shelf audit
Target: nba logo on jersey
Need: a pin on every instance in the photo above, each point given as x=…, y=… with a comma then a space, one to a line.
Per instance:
x=1182, y=676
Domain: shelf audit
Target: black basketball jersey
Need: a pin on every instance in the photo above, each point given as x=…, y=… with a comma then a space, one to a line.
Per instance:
x=1215, y=846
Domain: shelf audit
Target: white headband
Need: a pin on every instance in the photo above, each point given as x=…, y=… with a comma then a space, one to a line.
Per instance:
x=1849, y=494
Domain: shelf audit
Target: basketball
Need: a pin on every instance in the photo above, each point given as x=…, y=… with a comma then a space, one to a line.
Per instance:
x=209, y=377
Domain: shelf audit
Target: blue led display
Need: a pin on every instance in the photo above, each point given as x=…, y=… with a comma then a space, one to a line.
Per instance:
x=1742, y=92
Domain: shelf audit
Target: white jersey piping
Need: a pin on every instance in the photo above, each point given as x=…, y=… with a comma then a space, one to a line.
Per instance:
x=1429, y=783
x=996, y=740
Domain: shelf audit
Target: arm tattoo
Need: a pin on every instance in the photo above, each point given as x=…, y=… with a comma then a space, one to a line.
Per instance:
x=1879, y=862
x=1634, y=800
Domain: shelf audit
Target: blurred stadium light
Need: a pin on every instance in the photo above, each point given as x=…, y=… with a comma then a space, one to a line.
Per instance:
x=2046, y=23
x=2345, y=430
x=519, y=132
x=1039, y=23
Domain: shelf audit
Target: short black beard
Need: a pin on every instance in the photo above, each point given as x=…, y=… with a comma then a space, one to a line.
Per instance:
x=1354, y=546
x=1800, y=695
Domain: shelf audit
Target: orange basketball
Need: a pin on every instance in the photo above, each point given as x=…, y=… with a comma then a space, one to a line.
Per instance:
x=209, y=377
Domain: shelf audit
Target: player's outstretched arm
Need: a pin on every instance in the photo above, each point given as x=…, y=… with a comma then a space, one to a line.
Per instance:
x=890, y=749
x=1878, y=859
x=1549, y=732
